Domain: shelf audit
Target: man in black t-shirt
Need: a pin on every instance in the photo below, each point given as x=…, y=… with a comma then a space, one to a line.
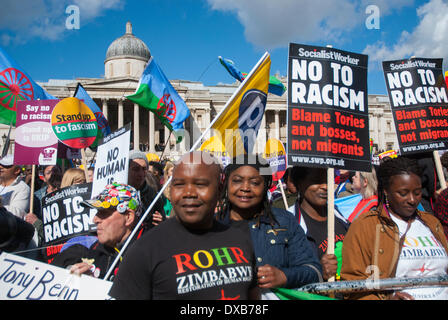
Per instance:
x=191, y=256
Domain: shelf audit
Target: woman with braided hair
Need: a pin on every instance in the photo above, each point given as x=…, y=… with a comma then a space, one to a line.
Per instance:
x=284, y=256
x=396, y=240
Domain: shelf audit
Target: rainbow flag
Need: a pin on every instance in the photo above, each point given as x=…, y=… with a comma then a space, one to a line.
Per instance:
x=16, y=85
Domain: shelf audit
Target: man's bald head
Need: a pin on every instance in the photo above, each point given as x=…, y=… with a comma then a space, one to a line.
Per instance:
x=203, y=158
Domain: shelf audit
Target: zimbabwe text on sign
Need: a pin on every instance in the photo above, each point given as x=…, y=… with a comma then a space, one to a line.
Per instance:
x=418, y=98
x=26, y=279
x=327, y=108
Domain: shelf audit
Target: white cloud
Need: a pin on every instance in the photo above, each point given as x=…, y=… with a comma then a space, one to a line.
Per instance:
x=429, y=39
x=269, y=24
x=25, y=19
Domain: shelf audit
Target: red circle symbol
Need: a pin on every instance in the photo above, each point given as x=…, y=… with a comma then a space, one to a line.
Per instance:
x=166, y=107
x=14, y=86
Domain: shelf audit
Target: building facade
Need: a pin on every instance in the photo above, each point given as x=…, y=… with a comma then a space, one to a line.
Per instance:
x=125, y=61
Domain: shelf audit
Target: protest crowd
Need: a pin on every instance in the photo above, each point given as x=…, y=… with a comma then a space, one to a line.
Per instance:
x=225, y=216
x=310, y=222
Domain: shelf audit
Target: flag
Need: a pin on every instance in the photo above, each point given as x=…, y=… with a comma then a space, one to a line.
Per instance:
x=238, y=123
x=16, y=85
x=103, y=124
x=291, y=294
x=155, y=93
x=275, y=85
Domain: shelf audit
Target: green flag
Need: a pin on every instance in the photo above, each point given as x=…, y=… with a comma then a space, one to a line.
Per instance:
x=291, y=294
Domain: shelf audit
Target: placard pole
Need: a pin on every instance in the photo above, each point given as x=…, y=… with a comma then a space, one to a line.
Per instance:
x=439, y=169
x=330, y=213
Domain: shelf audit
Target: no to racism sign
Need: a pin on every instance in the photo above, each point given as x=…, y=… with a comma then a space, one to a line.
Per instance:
x=327, y=108
x=418, y=98
x=35, y=142
x=74, y=123
x=64, y=217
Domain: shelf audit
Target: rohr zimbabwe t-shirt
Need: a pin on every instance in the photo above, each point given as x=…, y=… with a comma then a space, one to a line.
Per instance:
x=172, y=262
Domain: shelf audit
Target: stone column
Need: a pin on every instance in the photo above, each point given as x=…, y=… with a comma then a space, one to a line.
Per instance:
x=136, y=127
x=277, y=125
x=151, y=135
x=105, y=108
x=120, y=113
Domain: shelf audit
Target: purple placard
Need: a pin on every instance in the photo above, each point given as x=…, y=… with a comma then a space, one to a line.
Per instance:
x=35, y=142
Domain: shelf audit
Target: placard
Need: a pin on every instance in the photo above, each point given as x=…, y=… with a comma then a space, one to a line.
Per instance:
x=74, y=123
x=275, y=155
x=35, y=141
x=419, y=103
x=327, y=108
x=64, y=217
x=26, y=279
x=112, y=160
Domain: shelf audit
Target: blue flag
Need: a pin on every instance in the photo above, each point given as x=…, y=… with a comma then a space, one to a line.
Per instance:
x=16, y=85
x=103, y=125
x=275, y=85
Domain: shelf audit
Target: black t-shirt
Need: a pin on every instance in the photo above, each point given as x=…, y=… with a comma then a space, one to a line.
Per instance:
x=317, y=232
x=171, y=262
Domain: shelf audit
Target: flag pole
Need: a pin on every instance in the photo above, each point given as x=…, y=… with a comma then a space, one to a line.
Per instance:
x=33, y=172
x=166, y=143
x=280, y=184
x=195, y=145
x=330, y=213
x=439, y=169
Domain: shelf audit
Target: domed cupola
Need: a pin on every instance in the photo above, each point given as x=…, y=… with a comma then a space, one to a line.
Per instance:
x=126, y=56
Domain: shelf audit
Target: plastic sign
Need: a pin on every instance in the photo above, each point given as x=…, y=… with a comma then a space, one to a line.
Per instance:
x=73, y=123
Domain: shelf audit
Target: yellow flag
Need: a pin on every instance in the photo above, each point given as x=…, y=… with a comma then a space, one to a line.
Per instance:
x=237, y=125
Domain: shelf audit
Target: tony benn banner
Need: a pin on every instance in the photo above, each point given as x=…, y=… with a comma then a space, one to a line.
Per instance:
x=327, y=108
x=419, y=103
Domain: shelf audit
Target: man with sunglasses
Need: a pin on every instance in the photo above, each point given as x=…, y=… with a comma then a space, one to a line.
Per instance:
x=118, y=210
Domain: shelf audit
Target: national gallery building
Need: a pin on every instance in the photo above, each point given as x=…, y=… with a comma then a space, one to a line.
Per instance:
x=124, y=63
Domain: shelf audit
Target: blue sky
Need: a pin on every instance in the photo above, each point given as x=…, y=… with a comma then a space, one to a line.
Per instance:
x=187, y=36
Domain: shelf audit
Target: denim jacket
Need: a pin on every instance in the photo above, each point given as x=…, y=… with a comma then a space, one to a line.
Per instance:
x=286, y=247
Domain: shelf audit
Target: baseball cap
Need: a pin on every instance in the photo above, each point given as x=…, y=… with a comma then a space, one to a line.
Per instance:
x=119, y=195
x=136, y=154
x=7, y=160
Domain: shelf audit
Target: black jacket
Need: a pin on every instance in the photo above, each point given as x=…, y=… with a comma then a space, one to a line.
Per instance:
x=103, y=257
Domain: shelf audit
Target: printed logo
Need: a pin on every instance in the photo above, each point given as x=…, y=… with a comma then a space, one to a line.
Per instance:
x=14, y=86
x=251, y=112
x=166, y=108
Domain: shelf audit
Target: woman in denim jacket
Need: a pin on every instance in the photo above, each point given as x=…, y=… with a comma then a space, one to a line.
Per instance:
x=283, y=254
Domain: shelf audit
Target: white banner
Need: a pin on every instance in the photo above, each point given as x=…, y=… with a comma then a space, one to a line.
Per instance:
x=112, y=160
x=26, y=279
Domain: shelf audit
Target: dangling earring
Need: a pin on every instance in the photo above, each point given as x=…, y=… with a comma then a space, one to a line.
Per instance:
x=387, y=202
